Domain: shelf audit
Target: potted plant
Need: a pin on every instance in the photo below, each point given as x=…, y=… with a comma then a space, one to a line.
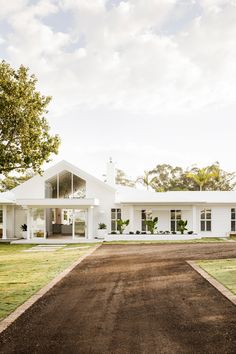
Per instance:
x=24, y=230
x=182, y=226
x=121, y=225
x=39, y=233
x=102, y=230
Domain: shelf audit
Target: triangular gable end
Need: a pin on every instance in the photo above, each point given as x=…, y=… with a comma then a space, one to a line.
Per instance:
x=60, y=167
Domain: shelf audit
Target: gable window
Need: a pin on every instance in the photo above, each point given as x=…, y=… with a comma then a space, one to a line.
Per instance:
x=233, y=219
x=175, y=216
x=146, y=214
x=115, y=215
x=206, y=220
x=65, y=185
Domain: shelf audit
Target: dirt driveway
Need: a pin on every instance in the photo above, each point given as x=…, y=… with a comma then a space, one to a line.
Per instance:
x=131, y=299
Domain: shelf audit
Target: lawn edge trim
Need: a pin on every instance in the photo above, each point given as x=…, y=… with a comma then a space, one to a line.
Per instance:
x=6, y=322
x=219, y=286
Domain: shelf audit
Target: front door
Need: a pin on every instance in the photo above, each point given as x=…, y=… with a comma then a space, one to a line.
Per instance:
x=80, y=218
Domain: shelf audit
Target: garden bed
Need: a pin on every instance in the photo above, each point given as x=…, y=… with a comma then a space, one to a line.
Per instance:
x=149, y=237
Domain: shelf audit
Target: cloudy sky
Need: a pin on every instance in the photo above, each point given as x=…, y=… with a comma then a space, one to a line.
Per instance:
x=143, y=81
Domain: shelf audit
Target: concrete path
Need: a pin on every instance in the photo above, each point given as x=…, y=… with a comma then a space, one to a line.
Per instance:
x=131, y=299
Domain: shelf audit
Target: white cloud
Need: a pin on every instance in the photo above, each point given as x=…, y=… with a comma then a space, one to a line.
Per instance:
x=120, y=59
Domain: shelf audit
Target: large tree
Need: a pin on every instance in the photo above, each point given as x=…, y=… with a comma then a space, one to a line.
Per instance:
x=202, y=177
x=212, y=178
x=25, y=140
x=170, y=178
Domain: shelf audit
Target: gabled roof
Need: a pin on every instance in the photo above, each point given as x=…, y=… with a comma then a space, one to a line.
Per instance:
x=131, y=195
x=62, y=166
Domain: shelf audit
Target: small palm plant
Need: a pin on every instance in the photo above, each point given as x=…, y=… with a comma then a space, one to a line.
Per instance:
x=121, y=225
x=152, y=224
x=182, y=226
x=102, y=226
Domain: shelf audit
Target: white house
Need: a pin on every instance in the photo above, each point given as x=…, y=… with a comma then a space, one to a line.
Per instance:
x=67, y=202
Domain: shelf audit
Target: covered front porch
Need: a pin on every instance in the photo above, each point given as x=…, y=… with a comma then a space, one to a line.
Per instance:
x=59, y=220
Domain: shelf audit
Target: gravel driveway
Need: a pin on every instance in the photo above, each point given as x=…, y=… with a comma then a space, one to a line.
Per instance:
x=128, y=298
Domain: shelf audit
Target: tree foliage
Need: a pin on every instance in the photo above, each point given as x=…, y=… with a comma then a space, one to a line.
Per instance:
x=25, y=141
x=10, y=182
x=123, y=180
x=165, y=178
x=147, y=180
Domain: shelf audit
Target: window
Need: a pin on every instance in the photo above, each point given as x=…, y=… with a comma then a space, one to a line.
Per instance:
x=65, y=185
x=0, y=216
x=175, y=216
x=115, y=215
x=145, y=215
x=233, y=220
x=206, y=220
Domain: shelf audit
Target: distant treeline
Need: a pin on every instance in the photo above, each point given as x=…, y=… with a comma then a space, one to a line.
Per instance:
x=165, y=178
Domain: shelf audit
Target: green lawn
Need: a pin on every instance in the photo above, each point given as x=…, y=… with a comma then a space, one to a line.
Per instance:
x=223, y=270
x=24, y=273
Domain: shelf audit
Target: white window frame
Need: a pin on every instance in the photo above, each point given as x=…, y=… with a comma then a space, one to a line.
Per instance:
x=114, y=217
x=177, y=217
x=146, y=214
x=205, y=220
x=233, y=219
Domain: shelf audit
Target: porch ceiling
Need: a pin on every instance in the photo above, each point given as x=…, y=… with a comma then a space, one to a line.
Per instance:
x=60, y=203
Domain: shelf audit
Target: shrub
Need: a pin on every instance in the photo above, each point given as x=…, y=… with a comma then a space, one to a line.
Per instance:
x=102, y=226
x=137, y=232
x=113, y=233
x=151, y=224
x=131, y=232
x=182, y=226
x=121, y=225
x=190, y=232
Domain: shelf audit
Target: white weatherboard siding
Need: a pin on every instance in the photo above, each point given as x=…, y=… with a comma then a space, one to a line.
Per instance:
x=71, y=215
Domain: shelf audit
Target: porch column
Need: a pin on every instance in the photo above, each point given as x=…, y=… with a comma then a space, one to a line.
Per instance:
x=90, y=223
x=4, y=222
x=28, y=223
x=73, y=224
x=131, y=218
x=45, y=223
x=13, y=222
x=194, y=218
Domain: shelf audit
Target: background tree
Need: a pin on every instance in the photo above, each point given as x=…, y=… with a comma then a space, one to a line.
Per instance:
x=222, y=181
x=165, y=178
x=147, y=180
x=202, y=176
x=11, y=182
x=123, y=180
x=25, y=141
x=169, y=178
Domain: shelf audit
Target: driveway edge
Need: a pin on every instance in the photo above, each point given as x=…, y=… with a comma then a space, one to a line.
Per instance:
x=6, y=322
x=220, y=287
